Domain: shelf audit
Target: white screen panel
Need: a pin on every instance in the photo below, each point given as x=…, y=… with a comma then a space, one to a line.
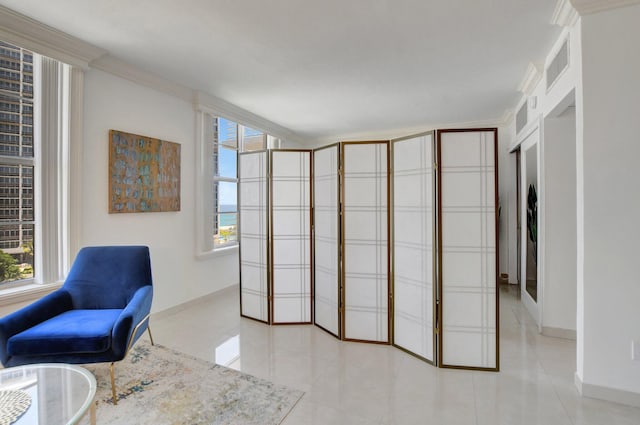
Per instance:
x=468, y=249
x=365, y=248
x=326, y=244
x=413, y=245
x=291, y=236
x=252, y=205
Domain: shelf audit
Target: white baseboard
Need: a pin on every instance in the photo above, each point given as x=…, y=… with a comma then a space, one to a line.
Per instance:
x=559, y=333
x=607, y=393
x=186, y=305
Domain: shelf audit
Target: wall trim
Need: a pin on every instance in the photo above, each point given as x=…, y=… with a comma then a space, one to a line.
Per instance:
x=393, y=134
x=202, y=101
x=194, y=302
x=532, y=77
x=565, y=15
x=30, y=34
x=76, y=148
x=600, y=392
x=26, y=293
x=507, y=116
x=214, y=105
x=559, y=333
x=587, y=7
x=122, y=69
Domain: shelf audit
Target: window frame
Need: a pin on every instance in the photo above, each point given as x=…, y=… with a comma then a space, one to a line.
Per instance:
x=223, y=179
x=19, y=160
x=57, y=138
x=205, y=210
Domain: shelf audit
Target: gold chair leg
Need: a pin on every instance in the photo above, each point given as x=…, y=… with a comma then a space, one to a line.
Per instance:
x=113, y=385
x=150, y=336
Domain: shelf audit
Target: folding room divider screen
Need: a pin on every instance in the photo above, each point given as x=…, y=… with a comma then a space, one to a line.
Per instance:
x=413, y=245
x=291, y=236
x=404, y=243
x=275, y=236
x=326, y=238
x=467, y=192
x=365, y=241
x=253, y=198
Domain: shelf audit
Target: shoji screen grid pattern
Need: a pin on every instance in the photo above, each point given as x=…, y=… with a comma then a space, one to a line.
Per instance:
x=326, y=192
x=467, y=190
x=290, y=236
x=465, y=320
x=413, y=245
x=253, y=229
x=365, y=237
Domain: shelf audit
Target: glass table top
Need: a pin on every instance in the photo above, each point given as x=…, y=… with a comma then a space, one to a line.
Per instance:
x=60, y=393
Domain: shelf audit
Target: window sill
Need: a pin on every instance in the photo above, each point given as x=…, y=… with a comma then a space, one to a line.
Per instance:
x=25, y=293
x=219, y=252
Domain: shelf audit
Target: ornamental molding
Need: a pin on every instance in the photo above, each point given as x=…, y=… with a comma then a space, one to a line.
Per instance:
x=531, y=79
x=587, y=7
x=565, y=15
x=30, y=34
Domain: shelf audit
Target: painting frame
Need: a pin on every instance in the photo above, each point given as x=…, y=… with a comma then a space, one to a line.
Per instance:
x=144, y=174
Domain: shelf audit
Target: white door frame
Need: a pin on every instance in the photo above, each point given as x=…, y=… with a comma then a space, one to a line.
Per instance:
x=529, y=137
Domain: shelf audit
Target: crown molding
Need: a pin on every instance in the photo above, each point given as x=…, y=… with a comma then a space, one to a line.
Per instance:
x=565, y=15
x=202, y=101
x=409, y=131
x=587, y=7
x=214, y=105
x=507, y=118
x=531, y=79
x=30, y=34
x=123, y=69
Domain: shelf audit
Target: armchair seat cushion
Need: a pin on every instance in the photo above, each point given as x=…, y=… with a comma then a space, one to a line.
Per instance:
x=74, y=331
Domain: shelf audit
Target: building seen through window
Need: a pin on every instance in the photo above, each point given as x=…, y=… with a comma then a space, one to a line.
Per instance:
x=230, y=138
x=16, y=164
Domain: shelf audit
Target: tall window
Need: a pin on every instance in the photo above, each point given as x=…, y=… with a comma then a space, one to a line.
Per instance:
x=16, y=164
x=37, y=96
x=229, y=139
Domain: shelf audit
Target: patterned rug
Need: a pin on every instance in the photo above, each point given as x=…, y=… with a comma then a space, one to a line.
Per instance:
x=157, y=385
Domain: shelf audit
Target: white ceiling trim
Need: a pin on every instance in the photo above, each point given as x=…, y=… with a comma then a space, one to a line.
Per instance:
x=214, y=105
x=531, y=79
x=202, y=101
x=586, y=7
x=503, y=121
x=565, y=15
x=32, y=35
x=129, y=72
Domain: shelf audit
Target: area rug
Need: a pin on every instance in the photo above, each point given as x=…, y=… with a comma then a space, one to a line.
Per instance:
x=157, y=385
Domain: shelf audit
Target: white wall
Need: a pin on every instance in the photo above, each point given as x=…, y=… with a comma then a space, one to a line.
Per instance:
x=507, y=202
x=560, y=285
x=569, y=84
x=114, y=103
x=610, y=280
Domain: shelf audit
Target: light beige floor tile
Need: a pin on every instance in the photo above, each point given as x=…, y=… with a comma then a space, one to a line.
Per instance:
x=356, y=383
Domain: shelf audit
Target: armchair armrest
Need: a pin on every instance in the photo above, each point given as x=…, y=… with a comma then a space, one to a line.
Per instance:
x=137, y=309
x=44, y=309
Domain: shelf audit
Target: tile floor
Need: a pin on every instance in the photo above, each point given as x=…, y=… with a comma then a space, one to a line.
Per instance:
x=354, y=383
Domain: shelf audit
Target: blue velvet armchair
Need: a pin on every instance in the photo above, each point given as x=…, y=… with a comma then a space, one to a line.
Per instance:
x=98, y=314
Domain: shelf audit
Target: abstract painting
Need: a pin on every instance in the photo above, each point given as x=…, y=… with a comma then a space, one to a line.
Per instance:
x=144, y=174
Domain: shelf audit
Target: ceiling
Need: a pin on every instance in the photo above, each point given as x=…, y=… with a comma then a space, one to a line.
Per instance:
x=327, y=70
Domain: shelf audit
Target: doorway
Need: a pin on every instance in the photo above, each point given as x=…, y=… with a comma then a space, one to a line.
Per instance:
x=559, y=220
x=529, y=219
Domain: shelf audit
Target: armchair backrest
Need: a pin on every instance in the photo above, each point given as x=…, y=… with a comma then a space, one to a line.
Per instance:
x=107, y=276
